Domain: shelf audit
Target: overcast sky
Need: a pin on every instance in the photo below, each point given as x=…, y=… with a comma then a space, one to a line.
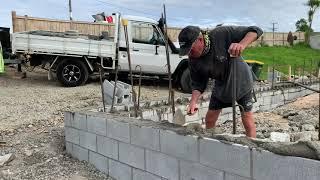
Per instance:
x=206, y=13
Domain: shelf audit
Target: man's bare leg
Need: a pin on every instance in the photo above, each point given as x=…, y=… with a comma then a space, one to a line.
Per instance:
x=248, y=123
x=211, y=118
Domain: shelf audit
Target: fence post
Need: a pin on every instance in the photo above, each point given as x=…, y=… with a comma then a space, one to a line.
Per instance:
x=14, y=17
x=26, y=23
x=283, y=39
x=289, y=73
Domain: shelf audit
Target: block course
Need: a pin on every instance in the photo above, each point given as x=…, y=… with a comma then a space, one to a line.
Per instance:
x=139, y=149
x=266, y=100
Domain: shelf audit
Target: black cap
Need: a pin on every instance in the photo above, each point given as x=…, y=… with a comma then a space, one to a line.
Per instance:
x=186, y=37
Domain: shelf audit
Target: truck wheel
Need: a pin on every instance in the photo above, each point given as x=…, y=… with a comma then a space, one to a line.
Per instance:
x=185, y=81
x=72, y=73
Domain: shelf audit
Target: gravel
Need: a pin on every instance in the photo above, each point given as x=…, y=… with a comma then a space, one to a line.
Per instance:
x=31, y=119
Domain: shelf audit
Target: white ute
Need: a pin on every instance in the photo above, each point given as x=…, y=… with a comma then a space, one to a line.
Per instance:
x=74, y=57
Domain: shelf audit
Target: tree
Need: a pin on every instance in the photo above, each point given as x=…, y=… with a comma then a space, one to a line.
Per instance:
x=290, y=38
x=313, y=7
x=302, y=25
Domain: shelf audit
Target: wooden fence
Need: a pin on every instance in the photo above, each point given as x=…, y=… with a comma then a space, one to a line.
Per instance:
x=26, y=23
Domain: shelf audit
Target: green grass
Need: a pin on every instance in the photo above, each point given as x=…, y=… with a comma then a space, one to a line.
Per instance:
x=283, y=56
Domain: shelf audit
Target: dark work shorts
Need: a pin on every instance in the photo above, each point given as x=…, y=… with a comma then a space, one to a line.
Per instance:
x=246, y=102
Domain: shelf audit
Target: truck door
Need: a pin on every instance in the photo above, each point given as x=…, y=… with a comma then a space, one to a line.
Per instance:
x=147, y=48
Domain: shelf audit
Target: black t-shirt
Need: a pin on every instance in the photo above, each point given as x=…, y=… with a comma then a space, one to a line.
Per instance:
x=216, y=64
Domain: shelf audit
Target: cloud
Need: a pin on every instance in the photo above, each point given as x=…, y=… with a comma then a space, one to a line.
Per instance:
x=179, y=12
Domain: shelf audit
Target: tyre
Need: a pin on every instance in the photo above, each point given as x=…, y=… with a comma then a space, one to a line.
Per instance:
x=185, y=81
x=72, y=72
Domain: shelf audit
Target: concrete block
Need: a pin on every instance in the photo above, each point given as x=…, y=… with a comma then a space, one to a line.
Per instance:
x=267, y=100
x=170, y=117
x=72, y=135
x=108, y=99
x=88, y=140
x=267, y=165
x=118, y=130
x=192, y=118
x=97, y=125
x=68, y=118
x=273, y=106
x=265, y=108
x=120, y=89
x=80, y=153
x=223, y=118
x=293, y=95
x=184, y=147
x=131, y=155
x=107, y=147
x=203, y=112
x=275, y=99
x=145, y=137
x=266, y=93
x=234, y=177
x=69, y=147
x=286, y=95
x=230, y=158
x=99, y=161
x=292, y=90
x=162, y=165
x=79, y=121
x=147, y=114
x=142, y=175
x=277, y=92
x=191, y=170
x=108, y=88
x=119, y=171
x=227, y=110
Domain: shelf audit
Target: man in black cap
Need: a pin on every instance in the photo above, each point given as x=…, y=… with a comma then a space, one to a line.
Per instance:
x=211, y=55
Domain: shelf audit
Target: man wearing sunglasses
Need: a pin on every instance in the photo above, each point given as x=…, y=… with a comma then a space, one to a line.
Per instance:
x=211, y=55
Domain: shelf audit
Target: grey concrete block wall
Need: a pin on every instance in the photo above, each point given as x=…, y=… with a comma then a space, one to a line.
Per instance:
x=79, y=121
x=80, y=153
x=266, y=101
x=162, y=165
x=130, y=156
x=228, y=176
x=99, y=161
x=190, y=170
x=108, y=147
x=268, y=166
x=142, y=175
x=97, y=125
x=146, y=137
x=184, y=147
x=119, y=171
x=118, y=131
x=88, y=140
x=234, y=159
x=72, y=135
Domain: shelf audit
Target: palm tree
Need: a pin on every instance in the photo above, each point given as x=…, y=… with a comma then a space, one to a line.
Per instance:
x=313, y=7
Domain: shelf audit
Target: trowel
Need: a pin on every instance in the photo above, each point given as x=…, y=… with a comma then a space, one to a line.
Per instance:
x=180, y=118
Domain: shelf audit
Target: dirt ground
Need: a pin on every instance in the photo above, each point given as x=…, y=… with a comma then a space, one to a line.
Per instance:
x=31, y=118
x=285, y=119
